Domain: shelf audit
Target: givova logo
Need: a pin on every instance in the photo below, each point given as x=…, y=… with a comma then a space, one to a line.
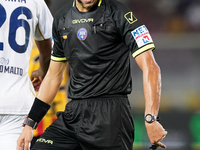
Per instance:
x=45, y=141
x=82, y=20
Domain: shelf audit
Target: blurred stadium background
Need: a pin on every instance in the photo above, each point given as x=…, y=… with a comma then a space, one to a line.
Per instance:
x=175, y=29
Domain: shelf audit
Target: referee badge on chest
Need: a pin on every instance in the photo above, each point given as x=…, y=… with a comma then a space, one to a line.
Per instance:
x=82, y=34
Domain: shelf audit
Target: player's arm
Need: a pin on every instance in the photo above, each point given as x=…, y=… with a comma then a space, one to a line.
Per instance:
x=152, y=93
x=45, y=48
x=47, y=92
x=51, y=82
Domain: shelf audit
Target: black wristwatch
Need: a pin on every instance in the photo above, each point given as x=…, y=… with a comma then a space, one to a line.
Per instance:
x=149, y=118
x=30, y=123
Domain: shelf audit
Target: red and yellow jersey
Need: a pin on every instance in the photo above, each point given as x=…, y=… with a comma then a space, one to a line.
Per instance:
x=60, y=99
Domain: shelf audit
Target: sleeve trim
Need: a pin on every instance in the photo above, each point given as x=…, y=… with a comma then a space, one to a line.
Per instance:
x=141, y=50
x=58, y=58
x=40, y=32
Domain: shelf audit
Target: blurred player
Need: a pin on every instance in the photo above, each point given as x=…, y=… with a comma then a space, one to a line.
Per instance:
x=59, y=101
x=20, y=22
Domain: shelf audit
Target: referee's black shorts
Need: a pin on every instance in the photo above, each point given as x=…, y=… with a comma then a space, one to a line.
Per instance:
x=103, y=123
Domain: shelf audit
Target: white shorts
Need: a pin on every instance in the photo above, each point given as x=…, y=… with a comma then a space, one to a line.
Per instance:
x=10, y=130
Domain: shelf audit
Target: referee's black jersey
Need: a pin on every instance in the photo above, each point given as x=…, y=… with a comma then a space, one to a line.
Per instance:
x=97, y=45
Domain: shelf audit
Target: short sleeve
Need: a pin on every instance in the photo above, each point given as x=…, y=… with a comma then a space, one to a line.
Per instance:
x=134, y=33
x=45, y=20
x=58, y=52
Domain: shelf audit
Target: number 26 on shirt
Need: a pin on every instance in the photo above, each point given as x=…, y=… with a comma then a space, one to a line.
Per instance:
x=16, y=23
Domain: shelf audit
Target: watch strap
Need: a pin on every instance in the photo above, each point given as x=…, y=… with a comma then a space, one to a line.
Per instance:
x=153, y=118
x=30, y=123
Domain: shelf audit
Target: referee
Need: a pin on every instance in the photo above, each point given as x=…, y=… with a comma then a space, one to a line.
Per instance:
x=96, y=37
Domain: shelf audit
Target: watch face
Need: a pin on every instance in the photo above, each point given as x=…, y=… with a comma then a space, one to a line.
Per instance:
x=148, y=118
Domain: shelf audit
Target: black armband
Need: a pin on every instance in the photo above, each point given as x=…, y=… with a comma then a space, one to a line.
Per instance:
x=38, y=110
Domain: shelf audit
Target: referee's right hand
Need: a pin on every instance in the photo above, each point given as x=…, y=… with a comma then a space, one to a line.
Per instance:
x=156, y=133
x=25, y=138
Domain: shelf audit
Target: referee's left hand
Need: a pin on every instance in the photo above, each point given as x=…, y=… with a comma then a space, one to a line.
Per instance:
x=156, y=133
x=25, y=138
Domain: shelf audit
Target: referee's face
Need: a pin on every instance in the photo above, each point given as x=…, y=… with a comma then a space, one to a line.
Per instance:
x=85, y=5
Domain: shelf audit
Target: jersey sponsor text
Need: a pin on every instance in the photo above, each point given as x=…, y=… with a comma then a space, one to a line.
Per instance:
x=142, y=36
x=11, y=70
x=82, y=20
